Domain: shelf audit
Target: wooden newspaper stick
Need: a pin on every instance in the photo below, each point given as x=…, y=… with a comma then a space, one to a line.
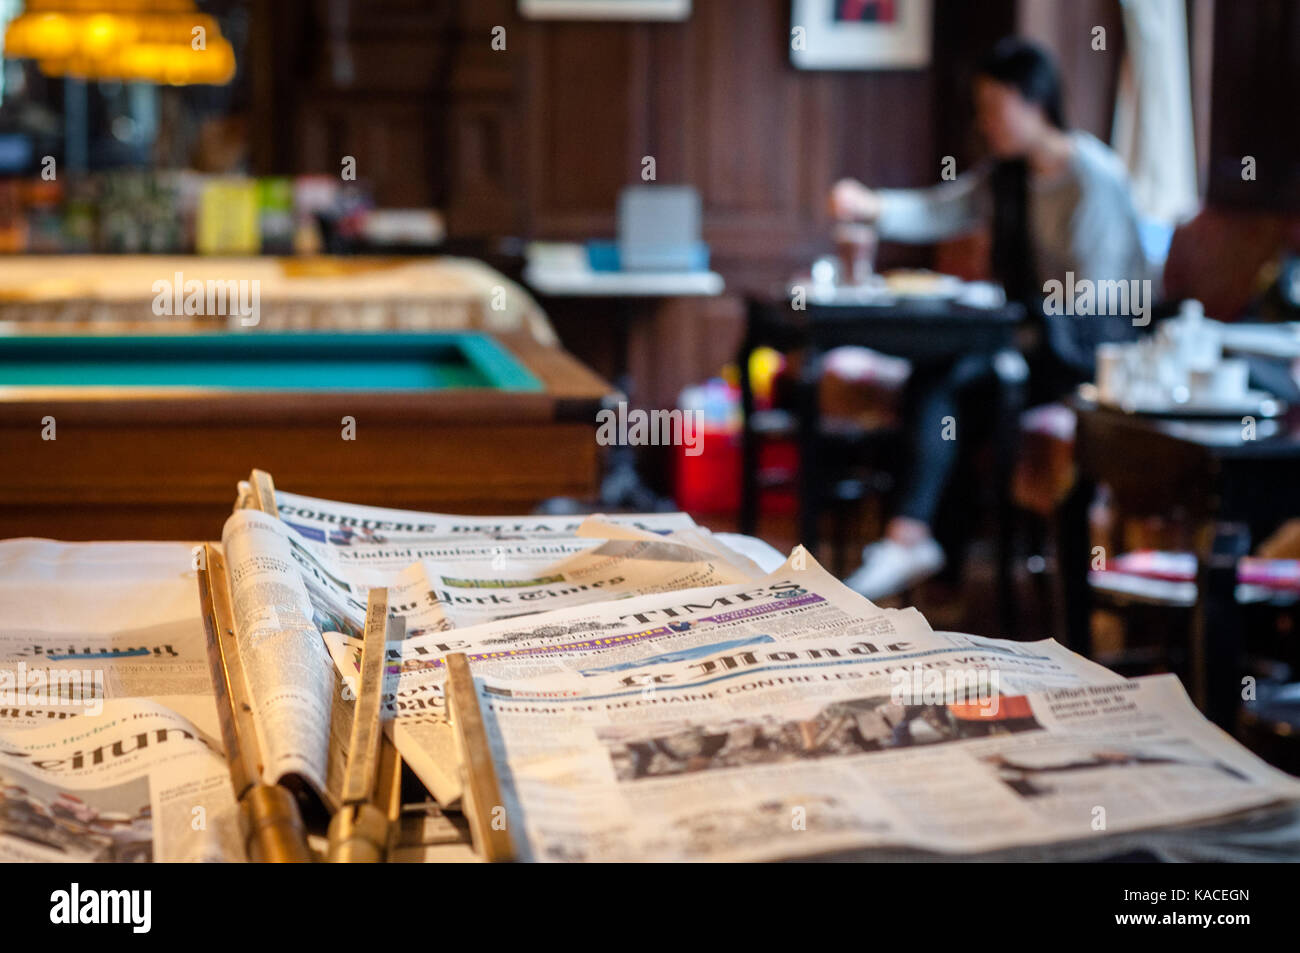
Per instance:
x=263, y=488
x=388, y=785
x=359, y=830
x=482, y=801
x=269, y=819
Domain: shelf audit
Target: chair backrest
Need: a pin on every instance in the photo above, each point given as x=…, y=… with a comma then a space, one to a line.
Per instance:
x=1216, y=257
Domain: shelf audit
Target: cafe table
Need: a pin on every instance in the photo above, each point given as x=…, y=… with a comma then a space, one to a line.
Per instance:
x=1236, y=479
x=923, y=330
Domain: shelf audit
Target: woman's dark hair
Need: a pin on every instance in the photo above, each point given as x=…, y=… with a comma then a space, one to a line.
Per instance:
x=1065, y=355
x=1031, y=71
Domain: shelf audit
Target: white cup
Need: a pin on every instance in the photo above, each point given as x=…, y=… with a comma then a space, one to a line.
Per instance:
x=1201, y=348
x=1224, y=383
x=1230, y=379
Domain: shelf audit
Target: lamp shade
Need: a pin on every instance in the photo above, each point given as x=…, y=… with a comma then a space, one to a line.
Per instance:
x=157, y=41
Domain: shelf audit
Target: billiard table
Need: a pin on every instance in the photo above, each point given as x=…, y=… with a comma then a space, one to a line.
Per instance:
x=151, y=431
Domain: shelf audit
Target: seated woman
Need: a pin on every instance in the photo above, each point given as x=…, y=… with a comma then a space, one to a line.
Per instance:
x=1059, y=202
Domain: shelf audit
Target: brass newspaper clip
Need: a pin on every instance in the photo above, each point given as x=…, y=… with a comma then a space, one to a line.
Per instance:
x=359, y=831
x=272, y=827
x=481, y=800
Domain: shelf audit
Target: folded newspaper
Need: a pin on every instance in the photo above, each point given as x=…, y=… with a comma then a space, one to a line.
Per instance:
x=651, y=691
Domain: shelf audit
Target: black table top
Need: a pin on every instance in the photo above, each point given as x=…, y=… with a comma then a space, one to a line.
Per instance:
x=919, y=329
x=913, y=307
x=1218, y=438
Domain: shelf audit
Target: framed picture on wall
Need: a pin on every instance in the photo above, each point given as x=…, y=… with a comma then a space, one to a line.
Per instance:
x=606, y=9
x=860, y=34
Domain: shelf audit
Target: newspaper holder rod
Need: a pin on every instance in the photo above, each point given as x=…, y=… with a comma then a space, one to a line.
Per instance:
x=482, y=801
x=271, y=824
x=360, y=830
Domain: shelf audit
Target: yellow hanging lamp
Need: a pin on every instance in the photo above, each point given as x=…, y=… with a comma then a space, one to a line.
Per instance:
x=156, y=41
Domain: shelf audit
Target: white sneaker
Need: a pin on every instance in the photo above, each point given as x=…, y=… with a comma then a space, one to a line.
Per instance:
x=889, y=567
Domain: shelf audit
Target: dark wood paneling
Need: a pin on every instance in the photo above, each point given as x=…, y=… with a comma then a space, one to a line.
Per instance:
x=1091, y=77
x=1255, y=88
x=389, y=113
x=537, y=140
x=482, y=191
x=583, y=124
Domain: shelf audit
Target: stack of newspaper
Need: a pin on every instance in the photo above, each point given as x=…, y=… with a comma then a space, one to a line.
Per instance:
x=652, y=691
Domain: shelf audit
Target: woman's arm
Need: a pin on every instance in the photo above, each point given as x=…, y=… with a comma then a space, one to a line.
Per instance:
x=915, y=215
x=935, y=213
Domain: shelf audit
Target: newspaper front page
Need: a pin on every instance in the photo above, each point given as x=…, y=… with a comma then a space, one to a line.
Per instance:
x=790, y=604
x=826, y=746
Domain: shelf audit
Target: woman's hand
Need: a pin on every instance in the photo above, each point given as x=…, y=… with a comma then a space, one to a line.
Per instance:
x=851, y=201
